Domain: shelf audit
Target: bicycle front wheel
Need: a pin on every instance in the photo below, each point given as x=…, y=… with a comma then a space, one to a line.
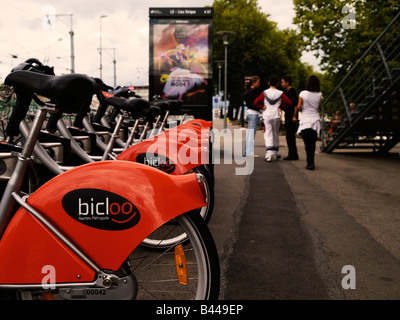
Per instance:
x=183, y=272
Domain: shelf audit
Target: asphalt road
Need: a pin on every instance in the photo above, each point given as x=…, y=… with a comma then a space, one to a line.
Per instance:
x=286, y=233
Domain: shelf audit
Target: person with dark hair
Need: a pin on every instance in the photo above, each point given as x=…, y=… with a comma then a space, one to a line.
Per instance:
x=272, y=101
x=179, y=58
x=291, y=127
x=252, y=115
x=310, y=122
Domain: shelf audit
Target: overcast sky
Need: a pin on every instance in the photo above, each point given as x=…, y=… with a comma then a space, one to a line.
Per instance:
x=126, y=28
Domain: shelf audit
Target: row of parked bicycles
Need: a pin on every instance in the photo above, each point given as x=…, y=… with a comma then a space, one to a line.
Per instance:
x=111, y=203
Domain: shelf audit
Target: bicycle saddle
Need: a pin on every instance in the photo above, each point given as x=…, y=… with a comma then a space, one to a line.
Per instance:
x=134, y=106
x=66, y=91
x=173, y=105
x=34, y=65
x=101, y=85
x=151, y=113
x=163, y=105
x=121, y=92
x=117, y=92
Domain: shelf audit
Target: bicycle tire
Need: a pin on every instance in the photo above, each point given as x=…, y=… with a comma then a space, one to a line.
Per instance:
x=200, y=243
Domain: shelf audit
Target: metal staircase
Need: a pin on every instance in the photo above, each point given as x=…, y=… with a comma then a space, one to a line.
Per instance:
x=373, y=85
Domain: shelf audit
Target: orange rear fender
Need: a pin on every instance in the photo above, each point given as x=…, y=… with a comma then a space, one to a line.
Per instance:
x=200, y=122
x=190, y=135
x=170, y=156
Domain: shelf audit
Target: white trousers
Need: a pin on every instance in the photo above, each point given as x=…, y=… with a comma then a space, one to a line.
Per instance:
x=271, y=136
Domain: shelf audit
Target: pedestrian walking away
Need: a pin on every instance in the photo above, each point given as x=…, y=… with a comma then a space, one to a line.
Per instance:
x=272, y=101
x=249, y=97
x=310, y=122
x=290, y=126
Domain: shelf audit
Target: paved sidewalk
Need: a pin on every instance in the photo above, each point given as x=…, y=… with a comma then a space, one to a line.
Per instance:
x=286, y=233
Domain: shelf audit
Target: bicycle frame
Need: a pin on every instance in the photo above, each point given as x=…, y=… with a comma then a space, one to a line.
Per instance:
x=187, y=142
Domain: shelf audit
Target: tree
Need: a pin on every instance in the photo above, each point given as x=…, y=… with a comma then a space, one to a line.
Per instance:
x=340, y=31
x=257, y=48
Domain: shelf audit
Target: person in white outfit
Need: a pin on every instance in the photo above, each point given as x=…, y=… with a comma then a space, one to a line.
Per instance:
x=273, y=100
x=310, y=122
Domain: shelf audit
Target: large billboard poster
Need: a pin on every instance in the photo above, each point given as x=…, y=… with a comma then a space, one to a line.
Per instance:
x=181, y=57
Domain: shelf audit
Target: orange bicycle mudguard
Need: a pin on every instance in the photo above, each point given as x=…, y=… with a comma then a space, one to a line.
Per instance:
x=168, y=155
x=200, y=122
x=193, y=127
x=106, y=209
x=191, y=135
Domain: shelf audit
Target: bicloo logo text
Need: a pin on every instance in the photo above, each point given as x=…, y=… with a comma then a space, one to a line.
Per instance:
x=101, y=209
x=158, y=161
x=105, y=209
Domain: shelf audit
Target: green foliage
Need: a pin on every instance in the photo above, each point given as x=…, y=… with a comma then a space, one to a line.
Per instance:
x=258, y=47
x=340, y=46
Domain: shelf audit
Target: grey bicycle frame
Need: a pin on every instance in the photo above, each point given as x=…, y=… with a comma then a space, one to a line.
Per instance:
x=44, y=157
x=15, y=182
x=11, y=197
x=108, y=150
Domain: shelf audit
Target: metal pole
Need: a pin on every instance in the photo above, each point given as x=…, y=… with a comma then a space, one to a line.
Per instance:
x=219, y=89
x=115, y=71
x=226, y=90
x=72, y=48
x=115, y=65
x=225, y=38
x=71, y=33
x=101, y=58
x=219, y=80
x=101, y=49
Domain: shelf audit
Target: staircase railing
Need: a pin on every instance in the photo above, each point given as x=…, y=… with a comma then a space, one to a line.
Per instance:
x=369, y=77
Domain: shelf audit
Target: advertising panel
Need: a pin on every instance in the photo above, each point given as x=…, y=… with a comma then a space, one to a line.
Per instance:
x=181, y=57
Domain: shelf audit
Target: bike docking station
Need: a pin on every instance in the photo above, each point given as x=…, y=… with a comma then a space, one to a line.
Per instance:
x=62, y=213
x=115, y=205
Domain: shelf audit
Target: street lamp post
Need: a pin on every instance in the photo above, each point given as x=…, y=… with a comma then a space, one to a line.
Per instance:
x=220, y=63
x=71, y=33
x=115, y=66
x=225, y=38
x=101, y=49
